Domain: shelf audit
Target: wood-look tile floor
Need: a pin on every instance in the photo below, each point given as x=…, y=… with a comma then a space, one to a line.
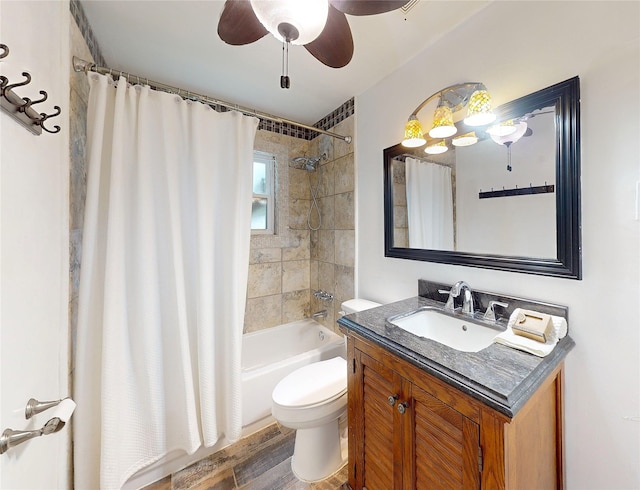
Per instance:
x=260, y=461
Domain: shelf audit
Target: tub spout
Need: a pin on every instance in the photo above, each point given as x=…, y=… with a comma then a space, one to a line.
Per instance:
x=319, y=314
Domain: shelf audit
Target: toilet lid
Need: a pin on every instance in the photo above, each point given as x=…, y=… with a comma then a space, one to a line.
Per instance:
x=312, y=384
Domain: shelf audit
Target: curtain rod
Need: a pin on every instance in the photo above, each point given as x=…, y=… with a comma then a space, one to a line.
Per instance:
x=80, y=65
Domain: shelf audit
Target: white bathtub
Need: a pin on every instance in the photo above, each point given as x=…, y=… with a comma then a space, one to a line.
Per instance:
x=269, y=355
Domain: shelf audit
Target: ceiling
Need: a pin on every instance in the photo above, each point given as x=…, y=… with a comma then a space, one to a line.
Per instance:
x=176, y=43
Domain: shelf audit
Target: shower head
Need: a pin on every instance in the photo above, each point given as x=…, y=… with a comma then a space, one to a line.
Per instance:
x=306, y=163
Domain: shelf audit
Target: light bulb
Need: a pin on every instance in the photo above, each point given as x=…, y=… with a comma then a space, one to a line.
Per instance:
x=479, y=109
x=436, y=149
x=307, y=18
x=467, y=139
x=413, y=134
x=443, y=123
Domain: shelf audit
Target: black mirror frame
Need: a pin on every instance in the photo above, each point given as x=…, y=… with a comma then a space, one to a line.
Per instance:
x=565, y=96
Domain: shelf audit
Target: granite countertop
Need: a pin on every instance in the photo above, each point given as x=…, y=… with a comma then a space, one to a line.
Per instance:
x=499, y=376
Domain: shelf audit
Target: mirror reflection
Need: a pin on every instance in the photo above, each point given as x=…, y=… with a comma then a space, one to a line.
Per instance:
x=504, y=196
x=448, y=201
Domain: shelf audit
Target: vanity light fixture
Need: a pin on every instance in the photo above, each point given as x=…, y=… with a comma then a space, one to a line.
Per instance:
x=443, y=126
x=413, y=134
x=436, y=148
x=503, y=128
x=479, y=109
x=466, y=139
x=473, y=95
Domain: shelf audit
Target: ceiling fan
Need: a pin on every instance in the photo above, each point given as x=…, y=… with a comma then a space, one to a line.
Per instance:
x=319, y=25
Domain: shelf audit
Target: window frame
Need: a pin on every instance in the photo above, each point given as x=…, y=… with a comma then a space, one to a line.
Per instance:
x=269, y=160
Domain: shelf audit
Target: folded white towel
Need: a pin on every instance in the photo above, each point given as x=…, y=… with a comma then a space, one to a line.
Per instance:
x=539, y=349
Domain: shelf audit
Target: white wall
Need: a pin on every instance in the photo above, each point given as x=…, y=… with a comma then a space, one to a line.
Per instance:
x=517, y=48
x=34, y=175
x=517, y=225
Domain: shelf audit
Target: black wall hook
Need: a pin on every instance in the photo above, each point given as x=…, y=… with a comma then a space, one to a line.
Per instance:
x=44, y=97
x=47, y=116
x=20, y=84
x=20, y=108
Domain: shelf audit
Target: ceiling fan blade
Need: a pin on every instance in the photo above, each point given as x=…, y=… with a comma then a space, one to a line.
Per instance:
x=238, y=23
x=334, y=46
x=367, y=7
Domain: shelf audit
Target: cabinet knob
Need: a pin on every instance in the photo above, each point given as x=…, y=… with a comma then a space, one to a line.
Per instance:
x=402, y=407
x=392, y=399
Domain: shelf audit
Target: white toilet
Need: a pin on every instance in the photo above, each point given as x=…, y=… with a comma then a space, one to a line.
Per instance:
x=313, y=400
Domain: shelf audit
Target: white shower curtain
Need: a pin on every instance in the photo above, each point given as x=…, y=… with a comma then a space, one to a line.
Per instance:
x=163, y=280
x=429, y=205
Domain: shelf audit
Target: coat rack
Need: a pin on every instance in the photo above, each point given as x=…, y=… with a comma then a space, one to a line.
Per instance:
x=21, y=108
x=522, y=191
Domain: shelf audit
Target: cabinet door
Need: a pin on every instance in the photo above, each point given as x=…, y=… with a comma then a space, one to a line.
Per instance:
x=377, y=463
x=446, y=446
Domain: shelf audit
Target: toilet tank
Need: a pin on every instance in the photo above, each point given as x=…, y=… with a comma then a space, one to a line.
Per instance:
x=357, y=304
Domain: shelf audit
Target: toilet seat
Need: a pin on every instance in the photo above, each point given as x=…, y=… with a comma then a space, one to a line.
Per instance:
x=314, y=384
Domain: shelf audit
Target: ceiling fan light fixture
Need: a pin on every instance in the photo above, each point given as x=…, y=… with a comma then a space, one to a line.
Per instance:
x=436, y=148
x=413, y=134
x=507, y=140
x=288, y=18
x=443, y=126
x=479, y=109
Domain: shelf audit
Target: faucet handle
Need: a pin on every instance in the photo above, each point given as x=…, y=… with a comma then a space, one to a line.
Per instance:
x=490, y=314
x=449, y=304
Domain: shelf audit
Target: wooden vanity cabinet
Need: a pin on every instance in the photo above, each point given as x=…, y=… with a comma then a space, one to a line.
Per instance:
x=410, y=430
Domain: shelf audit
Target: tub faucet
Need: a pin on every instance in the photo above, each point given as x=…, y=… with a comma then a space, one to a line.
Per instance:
x=319, y=314
x=323, y=295
x=467, y=298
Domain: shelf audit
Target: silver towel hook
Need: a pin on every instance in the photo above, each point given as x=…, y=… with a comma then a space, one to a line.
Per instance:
x=35, y=407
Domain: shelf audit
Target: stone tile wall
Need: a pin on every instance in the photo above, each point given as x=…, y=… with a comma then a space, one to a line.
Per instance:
x=333, y=245
x=278, y=283
x=79, y=98
x=400, y=223
x=287, y=267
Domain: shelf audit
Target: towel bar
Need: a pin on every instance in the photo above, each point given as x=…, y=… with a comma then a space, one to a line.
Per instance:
x=11, y=438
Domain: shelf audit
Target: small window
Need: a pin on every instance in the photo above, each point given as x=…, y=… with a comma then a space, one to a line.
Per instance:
x=262, y=209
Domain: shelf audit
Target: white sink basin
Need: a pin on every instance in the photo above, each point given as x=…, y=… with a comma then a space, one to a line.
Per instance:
x=458, y=332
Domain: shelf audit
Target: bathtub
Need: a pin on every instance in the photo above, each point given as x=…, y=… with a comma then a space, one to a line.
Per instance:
x=269, y=355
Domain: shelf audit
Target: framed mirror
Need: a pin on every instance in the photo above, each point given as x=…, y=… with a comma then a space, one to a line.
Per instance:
x=509, y=202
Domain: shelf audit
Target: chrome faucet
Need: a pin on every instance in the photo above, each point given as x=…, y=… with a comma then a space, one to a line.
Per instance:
x=467, y=298
x=319, y=314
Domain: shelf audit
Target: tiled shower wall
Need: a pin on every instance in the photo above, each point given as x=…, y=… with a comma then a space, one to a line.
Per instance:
x=287, y=267
x=333, y=245
x=278, y=283
x=79, y=98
